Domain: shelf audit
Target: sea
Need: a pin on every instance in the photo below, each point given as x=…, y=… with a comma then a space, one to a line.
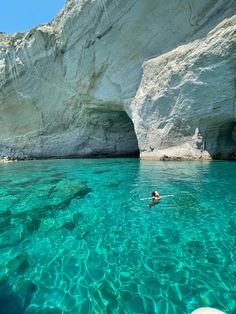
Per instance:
x=76, y=236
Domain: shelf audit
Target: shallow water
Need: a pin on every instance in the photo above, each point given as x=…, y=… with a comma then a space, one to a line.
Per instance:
x=75, y=237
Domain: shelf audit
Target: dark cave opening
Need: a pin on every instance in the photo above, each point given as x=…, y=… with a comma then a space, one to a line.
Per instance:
x=114, y=133
x=221, y=141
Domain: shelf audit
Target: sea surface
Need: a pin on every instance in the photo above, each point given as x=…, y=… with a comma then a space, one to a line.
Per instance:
x=76, y=238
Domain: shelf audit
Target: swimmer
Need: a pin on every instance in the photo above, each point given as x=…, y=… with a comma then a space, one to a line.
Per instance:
x=155, y=199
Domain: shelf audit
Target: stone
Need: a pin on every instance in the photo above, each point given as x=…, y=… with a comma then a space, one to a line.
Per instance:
x=47, y=224
x=66, y=191
x=113, y=78
x=18, y=263
x=12, y=236
x=11, y=302
x=32, y=225
x=69, y=226
x=6, y=159
x=182, y=85
x=81, y=231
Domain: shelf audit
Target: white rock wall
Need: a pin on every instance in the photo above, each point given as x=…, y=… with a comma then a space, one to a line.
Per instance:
x=114, y=77
x=185, y=105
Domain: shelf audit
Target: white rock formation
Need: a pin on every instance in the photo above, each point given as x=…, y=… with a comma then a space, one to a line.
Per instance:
x=185, y=105
x=113, y=77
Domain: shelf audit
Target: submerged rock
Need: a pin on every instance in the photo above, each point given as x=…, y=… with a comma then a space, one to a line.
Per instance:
x=101, y=171
x=113, y=184
x=25, y=285
x=11, y=236
x=47, y=224
x=40, y=217
x=81, y=231
x=77, y=217
x=11, y=302
x=18, y=263
x=33, y=225
x=69, y=226
x=32, y=309
x=65, y=191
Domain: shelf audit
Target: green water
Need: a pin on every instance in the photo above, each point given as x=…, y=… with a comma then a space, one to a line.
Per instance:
x=75, y=237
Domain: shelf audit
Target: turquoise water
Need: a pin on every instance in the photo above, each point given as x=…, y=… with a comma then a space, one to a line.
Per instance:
x=75, y=237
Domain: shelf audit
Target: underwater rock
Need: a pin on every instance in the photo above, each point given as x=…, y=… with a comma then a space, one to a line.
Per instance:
x=12, y=236
x=69, y=226
x=5, y=223
x=105, y=295
x=5, y=214
x=188, y=204
x=32, y=309
x=195, y=248
x=101, y=171
x=61, y=196
x=81, y=232
x=25, y=289
x=47, y=224
x=17, y=264
x=113, y=184
x=77, y=217
x=67, y=191
x=74, y=189
x=33, y=225
x=25, y=286
x=10, y=301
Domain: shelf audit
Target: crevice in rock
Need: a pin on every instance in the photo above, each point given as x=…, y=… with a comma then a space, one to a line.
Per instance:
x=103, y=33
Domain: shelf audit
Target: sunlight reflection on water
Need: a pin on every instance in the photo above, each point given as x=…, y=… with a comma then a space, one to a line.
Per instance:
x=75, y=237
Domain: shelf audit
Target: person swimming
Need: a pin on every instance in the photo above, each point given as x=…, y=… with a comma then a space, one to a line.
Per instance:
x=155, y=199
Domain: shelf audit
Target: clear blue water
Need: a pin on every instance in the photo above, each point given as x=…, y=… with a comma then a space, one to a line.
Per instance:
x=75, y=237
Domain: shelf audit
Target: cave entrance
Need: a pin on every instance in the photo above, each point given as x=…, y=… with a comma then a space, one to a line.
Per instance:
x=114, y=133
x=221, y=141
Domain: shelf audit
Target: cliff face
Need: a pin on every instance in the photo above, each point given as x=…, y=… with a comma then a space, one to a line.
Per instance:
x=122, y=76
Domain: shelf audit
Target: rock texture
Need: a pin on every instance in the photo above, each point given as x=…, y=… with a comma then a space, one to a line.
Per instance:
x=115, y=77
x=190, y=92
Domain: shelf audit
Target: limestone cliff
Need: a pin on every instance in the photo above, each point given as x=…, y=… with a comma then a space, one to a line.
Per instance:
x=116, y=77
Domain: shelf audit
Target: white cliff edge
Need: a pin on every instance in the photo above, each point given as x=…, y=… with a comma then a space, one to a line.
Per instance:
x=121, y=77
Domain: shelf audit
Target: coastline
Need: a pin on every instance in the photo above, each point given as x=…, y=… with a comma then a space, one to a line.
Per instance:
x=144, y=158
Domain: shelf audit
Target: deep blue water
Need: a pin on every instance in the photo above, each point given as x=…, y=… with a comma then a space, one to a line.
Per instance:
x=75, y=237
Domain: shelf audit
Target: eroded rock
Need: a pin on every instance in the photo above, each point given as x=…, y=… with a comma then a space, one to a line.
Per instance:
x=119, y=78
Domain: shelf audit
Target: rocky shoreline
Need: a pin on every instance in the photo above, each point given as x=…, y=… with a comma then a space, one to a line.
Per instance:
x=6, y=160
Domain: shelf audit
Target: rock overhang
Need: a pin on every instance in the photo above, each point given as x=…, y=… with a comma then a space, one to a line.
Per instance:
x=88, y=63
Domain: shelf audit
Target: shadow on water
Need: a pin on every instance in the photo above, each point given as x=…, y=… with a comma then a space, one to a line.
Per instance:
x=15, y=301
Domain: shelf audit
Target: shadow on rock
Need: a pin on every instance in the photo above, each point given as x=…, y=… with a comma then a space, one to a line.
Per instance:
x=17, y=300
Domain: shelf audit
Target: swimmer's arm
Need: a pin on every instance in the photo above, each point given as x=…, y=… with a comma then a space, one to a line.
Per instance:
x=147, y=198
x=150, y=198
